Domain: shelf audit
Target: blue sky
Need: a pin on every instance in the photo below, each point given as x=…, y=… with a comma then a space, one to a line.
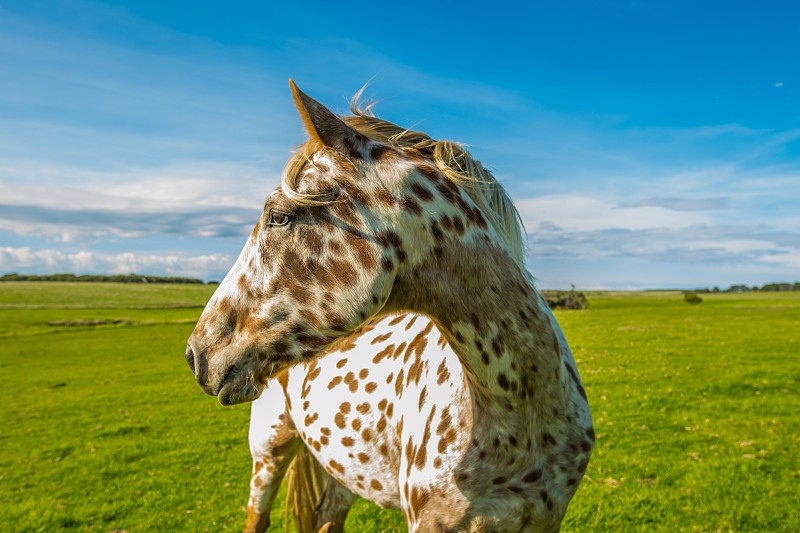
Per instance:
x=647, y=144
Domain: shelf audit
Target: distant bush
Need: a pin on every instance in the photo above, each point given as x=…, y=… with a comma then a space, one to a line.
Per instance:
x=691, y=298
x=566, y=299
x=115, y=278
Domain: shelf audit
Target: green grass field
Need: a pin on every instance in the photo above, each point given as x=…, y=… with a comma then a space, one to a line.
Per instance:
x=697, y=410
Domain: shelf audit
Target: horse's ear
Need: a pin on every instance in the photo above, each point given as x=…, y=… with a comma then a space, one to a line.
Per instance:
x=324, y=126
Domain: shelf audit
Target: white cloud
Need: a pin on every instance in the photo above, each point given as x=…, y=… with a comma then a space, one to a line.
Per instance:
x=187, y=199
x=736, y=246
x=790, y=259
x=581, y=213
x=16, y=259
x=172, y=186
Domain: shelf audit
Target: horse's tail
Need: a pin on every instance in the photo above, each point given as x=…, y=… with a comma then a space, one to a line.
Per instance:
x=305, y=481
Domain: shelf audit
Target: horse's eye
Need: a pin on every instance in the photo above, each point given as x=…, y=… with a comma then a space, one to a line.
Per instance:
x=276, y=218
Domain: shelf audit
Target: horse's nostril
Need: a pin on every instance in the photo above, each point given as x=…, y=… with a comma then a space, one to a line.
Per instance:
x=190, y=357
x=197, y=362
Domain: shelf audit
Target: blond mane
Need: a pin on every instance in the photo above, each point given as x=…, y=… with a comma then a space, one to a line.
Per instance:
x=451, y=158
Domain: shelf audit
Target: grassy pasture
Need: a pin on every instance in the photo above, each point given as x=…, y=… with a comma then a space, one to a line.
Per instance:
x=697, y=410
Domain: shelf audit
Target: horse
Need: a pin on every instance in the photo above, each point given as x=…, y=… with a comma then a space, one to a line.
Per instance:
x=383, y=322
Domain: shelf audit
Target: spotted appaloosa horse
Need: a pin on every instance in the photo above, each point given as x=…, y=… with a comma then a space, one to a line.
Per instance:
x=382, y=312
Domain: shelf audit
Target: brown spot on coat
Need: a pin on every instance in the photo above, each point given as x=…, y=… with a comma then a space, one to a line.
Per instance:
x=381, y=338
x=379, y=151
x=458, y=225
x=502, y=380
x=422, y=453
x=336, y=466
x=411, y=205
x=423, y=395
x=385, y=197
x=345, y=273
x=442, y=372
x=383, y=353
x=397, y=319
x=421, y=192
x=363, y=251
x=448, y=439
x=340, y=420
x=398, y=384
x=479, y=218
x=533, y=476
x=435, y=231
x=429, y=172
x=419, y=498
x=445, y=190
x=445, y=422
x=447, y=223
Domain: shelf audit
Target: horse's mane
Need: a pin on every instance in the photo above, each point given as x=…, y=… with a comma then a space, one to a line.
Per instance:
x=451, y=158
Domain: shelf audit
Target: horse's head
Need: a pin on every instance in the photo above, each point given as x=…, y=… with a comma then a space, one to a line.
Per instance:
x=356, y=211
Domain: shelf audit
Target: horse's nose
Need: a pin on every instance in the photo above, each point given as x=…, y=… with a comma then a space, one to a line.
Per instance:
x=190, y=356
x=197, y=362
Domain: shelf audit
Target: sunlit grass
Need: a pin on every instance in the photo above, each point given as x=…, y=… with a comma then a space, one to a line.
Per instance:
x=102, y=427
x=696, y=410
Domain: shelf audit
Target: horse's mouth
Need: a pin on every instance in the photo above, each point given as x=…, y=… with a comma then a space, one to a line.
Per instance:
x=243, y=379
x=237, y=386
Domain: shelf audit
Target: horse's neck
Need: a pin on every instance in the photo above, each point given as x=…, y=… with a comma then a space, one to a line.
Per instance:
x=499, y=327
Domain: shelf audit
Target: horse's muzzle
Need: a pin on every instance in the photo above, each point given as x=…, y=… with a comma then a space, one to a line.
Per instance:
x=199, y=365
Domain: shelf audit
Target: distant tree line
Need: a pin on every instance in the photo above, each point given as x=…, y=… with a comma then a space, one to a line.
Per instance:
x=115, y=278
x=769, y=287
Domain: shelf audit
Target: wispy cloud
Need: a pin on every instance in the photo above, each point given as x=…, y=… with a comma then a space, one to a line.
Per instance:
x=789, y=258
x=581, y=213
x=53, y=260
x=681, y=204
x=212, y=200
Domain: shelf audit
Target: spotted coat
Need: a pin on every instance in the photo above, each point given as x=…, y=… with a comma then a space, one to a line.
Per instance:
x=399, y=445
x=387, y=326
